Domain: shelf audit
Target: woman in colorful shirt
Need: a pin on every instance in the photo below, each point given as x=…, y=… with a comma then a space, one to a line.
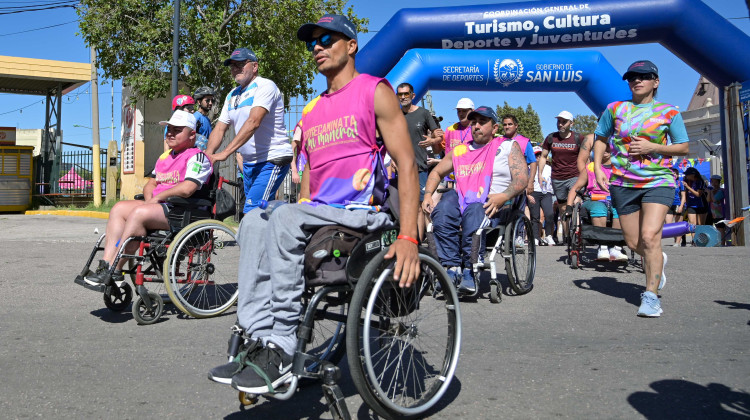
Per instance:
x=641, y=184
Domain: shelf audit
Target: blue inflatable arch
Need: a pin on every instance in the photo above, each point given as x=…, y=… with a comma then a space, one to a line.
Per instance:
x=586, y=73
x=689, y=28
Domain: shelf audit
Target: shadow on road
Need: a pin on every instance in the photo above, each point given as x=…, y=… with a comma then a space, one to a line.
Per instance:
x=734, y=305
x=680, y=399
x=629, y=292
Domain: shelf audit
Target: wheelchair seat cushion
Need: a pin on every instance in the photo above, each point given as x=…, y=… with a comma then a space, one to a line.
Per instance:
x=594, y=235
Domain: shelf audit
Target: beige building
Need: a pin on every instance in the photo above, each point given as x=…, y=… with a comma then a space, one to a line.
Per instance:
x=703, y=125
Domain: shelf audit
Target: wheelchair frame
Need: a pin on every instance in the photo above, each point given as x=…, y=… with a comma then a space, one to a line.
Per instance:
x=379, y=326
x=577, y=240
x=186, y=275
x=502, y=244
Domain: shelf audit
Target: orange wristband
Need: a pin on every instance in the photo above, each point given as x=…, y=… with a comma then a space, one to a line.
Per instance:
x=408, y=238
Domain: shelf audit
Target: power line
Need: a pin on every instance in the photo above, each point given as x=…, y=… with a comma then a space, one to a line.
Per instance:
x=37, y=7
x=37, y=29
x=23, y=107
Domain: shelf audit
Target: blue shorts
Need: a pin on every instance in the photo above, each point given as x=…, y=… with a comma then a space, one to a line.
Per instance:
x=628, y=200
x=599, y=209
x=422, y=183
x=261, y=181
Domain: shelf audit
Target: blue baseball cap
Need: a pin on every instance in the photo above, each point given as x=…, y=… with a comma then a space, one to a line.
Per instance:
x=335, y=23
x=641, y=67
x=484, y=111
x=241, y=54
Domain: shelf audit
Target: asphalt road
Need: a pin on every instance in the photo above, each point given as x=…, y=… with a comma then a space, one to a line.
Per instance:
x=572, y=348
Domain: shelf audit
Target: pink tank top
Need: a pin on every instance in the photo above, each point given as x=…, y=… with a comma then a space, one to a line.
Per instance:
x=473, y=171
x=170, y=169
x=339, y=144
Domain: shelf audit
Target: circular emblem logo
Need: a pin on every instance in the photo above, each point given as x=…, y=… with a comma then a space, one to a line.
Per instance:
x=508, y=71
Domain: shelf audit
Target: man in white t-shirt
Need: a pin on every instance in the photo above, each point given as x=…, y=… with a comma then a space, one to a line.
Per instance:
x=255, y=109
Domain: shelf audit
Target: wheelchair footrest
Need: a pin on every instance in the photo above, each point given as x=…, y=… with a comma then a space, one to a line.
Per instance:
x=97, y=288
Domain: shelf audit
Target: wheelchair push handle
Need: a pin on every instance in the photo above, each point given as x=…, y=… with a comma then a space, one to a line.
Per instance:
x=223, y=180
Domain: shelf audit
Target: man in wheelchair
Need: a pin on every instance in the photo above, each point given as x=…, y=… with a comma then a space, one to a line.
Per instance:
x=342, y=184
x=596, y=202
x=490, y=171
x=182, y=171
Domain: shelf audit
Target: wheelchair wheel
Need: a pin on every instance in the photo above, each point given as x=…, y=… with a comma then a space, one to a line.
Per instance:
x=574, y=261
x=148, y=314
x=402, y=344
x=201, y=269
x=327, y=341
x=118, y=298
x=519, y=244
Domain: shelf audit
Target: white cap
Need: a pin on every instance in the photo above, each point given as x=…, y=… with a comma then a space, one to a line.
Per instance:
x=465, y=103
x=565, y=115
x=181, y=119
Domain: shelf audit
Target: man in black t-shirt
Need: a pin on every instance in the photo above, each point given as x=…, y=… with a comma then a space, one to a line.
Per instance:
x=426, y=137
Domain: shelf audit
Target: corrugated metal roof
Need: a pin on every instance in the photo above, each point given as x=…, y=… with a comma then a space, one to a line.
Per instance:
x=34, y=76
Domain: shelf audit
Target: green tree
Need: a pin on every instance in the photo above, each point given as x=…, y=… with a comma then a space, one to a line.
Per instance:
x=585, y=124
x=528, y=121
x=133, y=41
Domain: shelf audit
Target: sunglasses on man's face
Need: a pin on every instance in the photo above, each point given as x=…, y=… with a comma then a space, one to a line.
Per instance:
x=325, y=41
x=403, y=94
x=648, y=76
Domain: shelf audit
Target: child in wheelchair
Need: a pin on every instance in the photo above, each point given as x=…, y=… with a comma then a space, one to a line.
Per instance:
x=597, y=208
x=182, y=171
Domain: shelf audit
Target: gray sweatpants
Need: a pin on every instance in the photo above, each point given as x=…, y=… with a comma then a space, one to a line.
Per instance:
x=271, y=265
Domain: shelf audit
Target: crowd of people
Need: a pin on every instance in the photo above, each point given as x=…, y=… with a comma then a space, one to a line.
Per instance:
x=458, y=180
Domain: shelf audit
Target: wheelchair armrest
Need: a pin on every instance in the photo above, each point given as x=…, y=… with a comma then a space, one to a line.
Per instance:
x=139, y=197
x=189, y=202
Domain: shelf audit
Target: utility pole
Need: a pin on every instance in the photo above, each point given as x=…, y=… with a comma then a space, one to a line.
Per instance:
x=97, y=175
x=175, y=47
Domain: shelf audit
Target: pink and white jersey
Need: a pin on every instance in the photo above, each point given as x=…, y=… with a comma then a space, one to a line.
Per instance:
x=472, y=166
x=456, y=134
x=338, y=142
x=188, y=165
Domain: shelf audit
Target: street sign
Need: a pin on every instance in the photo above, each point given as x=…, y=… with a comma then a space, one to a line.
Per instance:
x=745, y=91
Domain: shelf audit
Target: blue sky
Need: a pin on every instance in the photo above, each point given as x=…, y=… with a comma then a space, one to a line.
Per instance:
x=62, y=43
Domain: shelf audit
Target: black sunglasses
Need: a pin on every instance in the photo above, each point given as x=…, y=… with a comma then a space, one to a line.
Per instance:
x=641, y=76
x=325, y=40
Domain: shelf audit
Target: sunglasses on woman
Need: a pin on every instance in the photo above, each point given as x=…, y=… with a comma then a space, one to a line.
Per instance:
x=325, y=41
x=638, y=76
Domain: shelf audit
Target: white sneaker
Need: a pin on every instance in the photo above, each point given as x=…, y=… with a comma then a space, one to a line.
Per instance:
x=549, y=240
x=676, y=244
x=616, y=254
x=536, y=242
x=663, y=276
x=603, y=254
x=519, y=242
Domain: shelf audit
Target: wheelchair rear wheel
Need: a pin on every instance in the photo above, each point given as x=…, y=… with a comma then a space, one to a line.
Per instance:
x=201, y=268
x=519, y=244
x=402, y=344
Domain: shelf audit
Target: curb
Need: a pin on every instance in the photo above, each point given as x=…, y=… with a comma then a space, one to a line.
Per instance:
x=93, y=214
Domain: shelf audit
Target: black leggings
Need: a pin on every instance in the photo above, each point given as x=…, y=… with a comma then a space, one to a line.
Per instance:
x=545, y=202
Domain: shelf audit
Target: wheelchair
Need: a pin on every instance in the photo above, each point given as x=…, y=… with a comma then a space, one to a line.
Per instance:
x=193, y=265
x=402, y=345
x=582, y=233
x=510, y=243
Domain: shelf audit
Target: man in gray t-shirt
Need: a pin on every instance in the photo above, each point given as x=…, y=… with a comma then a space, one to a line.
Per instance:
x=426, y=137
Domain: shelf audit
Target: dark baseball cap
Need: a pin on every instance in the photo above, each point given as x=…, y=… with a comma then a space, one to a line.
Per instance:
x=335, y=23
x=484, y=111
x=641, y=67
x=241, y=54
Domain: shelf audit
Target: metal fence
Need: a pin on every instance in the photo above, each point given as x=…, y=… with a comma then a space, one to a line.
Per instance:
x=75, y=180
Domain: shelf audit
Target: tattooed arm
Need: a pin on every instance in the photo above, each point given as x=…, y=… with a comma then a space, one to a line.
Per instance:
x=519, y=178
